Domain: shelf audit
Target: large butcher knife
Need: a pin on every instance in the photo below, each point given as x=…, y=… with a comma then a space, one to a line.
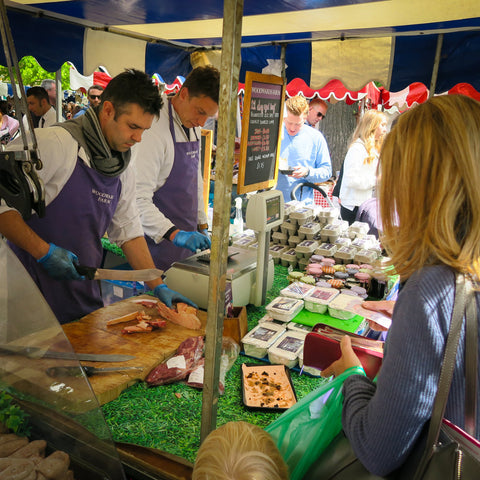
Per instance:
x=36, y=352
x=145, y=275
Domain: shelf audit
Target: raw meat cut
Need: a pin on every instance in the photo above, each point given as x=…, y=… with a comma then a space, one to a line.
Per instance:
x=180, y=365
x=184, y=315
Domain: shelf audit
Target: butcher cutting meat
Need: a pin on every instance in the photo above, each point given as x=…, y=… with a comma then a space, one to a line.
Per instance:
x=89, y=190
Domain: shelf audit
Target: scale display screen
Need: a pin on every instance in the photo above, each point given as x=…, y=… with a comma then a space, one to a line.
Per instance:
x=265, y=210
x=273, y=209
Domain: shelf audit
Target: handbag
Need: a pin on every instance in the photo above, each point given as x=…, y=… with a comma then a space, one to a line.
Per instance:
x=449, y=452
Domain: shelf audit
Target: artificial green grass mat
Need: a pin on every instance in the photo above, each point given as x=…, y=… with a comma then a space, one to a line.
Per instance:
x=168, y=417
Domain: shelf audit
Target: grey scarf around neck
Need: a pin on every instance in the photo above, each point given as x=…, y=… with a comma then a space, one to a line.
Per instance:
x=87, y=132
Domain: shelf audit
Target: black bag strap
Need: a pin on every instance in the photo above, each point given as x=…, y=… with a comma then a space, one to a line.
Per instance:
x=471, y=368
x=448, y=366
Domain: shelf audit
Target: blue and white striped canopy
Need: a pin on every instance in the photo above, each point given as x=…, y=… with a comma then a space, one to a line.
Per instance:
x=392, y=42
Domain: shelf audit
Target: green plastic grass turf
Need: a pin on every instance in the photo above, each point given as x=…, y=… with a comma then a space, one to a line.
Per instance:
x=155, y=417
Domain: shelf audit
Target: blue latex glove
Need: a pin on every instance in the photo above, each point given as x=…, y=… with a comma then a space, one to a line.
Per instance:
x=167, y=296
x=205, y=232
x=60, y=264
x=192, y=240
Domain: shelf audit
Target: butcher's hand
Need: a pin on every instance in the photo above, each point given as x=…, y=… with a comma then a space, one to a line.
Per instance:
x=60, y=264
x=347, y=360
x=192, y=240
x=205, y=232
x=167, y=296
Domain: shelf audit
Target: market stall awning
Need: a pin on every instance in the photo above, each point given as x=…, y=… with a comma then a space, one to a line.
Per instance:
x=355, y=41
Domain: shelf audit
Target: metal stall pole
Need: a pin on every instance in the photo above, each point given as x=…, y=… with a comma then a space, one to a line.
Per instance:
x=436, y=65
x=58, y=84
x=230, y=68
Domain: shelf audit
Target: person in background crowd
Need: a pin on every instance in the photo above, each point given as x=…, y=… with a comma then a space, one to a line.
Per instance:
x=8, y=125
x=239, y=451
x=429, y=205
x=94, y=95
x=168, y=171
x=89, y=190
x=51, y=87
x=317, y=110
x=360, y=165
x=304, y=149
x=37, y=103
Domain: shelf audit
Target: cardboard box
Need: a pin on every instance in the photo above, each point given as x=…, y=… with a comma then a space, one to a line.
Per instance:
x=236, y=327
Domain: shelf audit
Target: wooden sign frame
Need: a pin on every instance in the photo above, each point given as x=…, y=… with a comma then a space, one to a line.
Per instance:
x=207, y=146
x=261, y=132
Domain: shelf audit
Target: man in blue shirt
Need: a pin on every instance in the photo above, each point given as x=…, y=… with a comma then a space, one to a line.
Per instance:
x=303, y=149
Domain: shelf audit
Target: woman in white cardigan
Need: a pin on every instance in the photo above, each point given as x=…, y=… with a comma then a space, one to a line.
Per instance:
x=360, y=166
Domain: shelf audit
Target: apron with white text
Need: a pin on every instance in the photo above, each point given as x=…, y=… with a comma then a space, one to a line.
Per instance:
x=75, y=220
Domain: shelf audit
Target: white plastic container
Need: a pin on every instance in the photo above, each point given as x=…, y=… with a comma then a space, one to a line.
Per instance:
x=289, y=257
x=326, y=249
x=358, y=229
x=306, y=248
x=289, y=227
x=318, y=299
x=340, y=307
x=286, y=348
x=279, y=237
x=243, y=240
x=296, y=290
x=298, y=327
x=266, y=319
x=308, y=230
x=275, y=251
x=302, y=215
x=284, y=308
x=257, y=341
x=345, y=255
x=365, y=256
x=327, y=214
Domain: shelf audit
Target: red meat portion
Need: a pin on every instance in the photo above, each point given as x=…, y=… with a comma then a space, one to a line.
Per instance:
x=191, y=350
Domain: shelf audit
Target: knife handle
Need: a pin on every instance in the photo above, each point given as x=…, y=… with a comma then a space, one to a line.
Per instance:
x=89, y=272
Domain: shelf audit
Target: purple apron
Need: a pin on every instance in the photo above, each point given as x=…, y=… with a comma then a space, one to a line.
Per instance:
x=76, y=220
x=177, y=199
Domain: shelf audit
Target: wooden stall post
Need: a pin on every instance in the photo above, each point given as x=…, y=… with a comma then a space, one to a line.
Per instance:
x=206, y=159
x=230, y=68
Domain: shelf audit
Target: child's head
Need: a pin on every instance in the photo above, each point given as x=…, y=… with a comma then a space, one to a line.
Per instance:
x=239, y=451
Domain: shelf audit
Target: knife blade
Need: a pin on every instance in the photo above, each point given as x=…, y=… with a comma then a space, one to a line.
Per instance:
x=36, y=352
x=73, y=371
x=145, y=275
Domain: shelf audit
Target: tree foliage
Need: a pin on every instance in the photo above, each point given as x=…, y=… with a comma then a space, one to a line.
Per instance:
x=33, y=74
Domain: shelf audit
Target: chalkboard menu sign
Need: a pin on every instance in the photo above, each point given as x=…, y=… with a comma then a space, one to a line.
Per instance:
x=261, y=132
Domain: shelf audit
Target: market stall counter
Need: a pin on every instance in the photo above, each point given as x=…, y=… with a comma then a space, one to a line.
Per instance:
x=168, y=417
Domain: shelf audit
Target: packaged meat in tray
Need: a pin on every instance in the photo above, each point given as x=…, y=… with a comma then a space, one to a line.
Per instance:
x=284, y=308
x=256, y=341
x=286, y=349
x=296, y=290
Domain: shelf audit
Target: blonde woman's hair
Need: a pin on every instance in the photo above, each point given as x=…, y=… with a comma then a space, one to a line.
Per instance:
x=365, y=131
x=239, y=451
x=429, y=189
x=297, y=105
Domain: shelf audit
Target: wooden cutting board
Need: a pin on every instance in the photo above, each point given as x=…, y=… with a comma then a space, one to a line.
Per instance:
x=91, y=335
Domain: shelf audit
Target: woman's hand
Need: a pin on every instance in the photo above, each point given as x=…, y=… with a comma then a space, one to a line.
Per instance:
x=384, y=307
x=346, y=361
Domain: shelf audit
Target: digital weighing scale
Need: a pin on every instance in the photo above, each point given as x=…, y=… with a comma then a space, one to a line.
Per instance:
x=190, y=276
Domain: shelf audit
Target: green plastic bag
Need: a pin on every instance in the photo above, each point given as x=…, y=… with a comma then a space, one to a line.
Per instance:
x=305, y=430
